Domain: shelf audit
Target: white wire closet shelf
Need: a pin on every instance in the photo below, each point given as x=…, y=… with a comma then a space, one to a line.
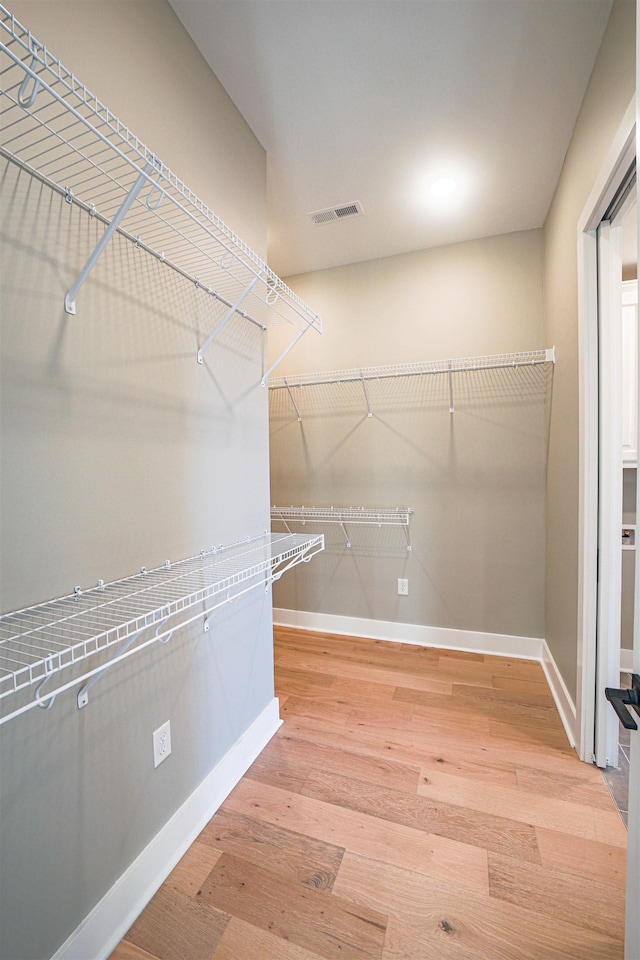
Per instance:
x=372, y=516
x=365, y=375
x=59, y=132
x=44, y=641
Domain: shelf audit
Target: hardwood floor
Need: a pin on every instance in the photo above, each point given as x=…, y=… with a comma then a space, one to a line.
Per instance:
x=416, y=804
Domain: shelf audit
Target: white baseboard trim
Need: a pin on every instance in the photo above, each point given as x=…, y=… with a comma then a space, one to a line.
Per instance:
x=469, y=641
x=492, y=644
x=563, y=701
x=101, y=931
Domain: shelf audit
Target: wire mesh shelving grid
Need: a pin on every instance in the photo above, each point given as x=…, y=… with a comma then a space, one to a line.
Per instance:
x=394, y=517
x=372, y=516
x=422, y=368
x=40, y=641
x=58, y=131
x=366, y=376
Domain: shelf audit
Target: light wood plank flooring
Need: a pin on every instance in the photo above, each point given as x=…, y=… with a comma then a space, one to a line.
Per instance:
x=416, y=804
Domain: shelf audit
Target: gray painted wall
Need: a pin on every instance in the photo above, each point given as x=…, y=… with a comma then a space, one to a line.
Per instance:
x=119, y=450
x=475, y=479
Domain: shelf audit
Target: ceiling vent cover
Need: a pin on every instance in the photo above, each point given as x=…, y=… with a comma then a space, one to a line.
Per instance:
x=341, y=212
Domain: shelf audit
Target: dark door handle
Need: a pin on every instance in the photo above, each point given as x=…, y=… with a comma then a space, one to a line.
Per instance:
x=620, y=699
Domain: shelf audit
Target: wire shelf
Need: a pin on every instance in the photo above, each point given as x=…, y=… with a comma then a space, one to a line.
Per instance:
x=385, y=517
x=47, y=639
x=57, y=130
x=366, y=376
x=423, y=368
x=372, y=516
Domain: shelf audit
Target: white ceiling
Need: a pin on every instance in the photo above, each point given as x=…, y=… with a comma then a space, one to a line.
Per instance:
x=370, y=100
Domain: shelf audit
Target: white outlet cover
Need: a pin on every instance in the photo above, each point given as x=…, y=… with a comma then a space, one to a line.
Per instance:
x=403, y=587
x=161, y=743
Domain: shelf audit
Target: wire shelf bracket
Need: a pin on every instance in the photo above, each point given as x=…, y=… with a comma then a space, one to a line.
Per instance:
x=452, y=409
x=284, y=353
x=126, y=616
x=366, y=395
x=398, y=517
x=365, y=375
x=295, y=405
x=70, y=299
x=83, y=692
x=57, y=131
x=230, y=312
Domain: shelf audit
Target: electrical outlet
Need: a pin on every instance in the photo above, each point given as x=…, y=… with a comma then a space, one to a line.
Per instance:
x=403, y=587
x=161, y=743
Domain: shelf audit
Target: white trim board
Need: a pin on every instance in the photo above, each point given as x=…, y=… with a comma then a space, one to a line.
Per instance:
x=469, y=641
x=561, y=696
x=101, y=931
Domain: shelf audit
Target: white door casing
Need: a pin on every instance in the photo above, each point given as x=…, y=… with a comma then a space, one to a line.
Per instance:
x=610, y=490
x=629, y=373
x=593, y=711
x=590, y=692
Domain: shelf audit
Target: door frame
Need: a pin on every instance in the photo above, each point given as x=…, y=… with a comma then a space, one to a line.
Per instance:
x=612, y=173
x=609, y=589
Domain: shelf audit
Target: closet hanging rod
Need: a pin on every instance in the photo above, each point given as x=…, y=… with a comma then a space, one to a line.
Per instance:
x=43, y=641
x=53, y=123
x=138, y=243
x=461, y=365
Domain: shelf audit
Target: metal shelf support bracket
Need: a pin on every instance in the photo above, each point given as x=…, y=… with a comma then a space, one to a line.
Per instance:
x=230, y=312
x=83, y=692
x=406, y=529
x=366, y=395
x=287, y=527
x=295, y=405
x=70, y=299
x=346, y=535
x=283, y=355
